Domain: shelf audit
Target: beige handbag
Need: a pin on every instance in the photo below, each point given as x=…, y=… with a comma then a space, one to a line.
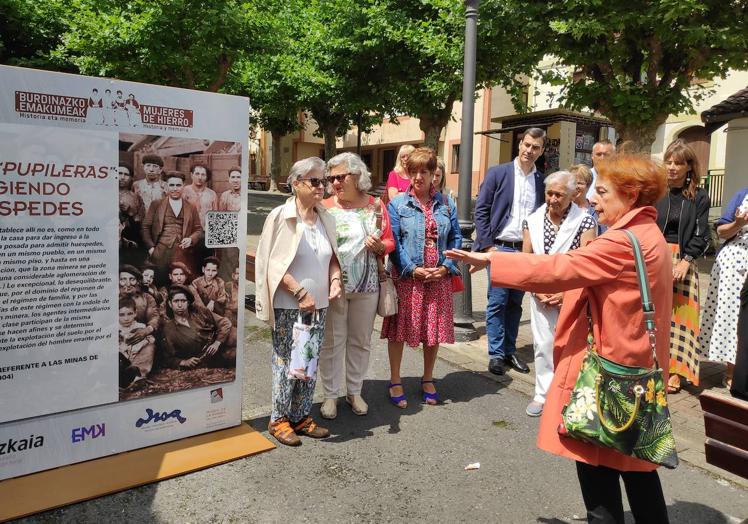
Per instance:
x=387, y=305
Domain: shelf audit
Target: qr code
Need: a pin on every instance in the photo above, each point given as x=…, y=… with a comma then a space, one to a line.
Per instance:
x=221, y=229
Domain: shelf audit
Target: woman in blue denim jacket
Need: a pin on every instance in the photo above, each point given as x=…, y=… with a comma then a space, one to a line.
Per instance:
x=424, y=224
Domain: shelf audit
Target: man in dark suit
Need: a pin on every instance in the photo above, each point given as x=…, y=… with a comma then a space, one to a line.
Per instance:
x=171, y=228
x=509, y=193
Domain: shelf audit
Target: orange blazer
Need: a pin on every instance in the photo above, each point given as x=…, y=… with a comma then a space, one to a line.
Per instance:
x=603, y=275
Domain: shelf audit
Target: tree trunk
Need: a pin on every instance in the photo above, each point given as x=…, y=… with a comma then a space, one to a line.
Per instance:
x=637, y=138
x=275, y=162
x=330, y=131
x=432, y=130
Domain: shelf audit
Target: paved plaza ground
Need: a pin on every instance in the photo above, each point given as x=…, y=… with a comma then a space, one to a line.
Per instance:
x=408, y=465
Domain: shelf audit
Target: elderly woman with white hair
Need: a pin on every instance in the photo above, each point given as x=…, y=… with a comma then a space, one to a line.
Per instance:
x=364, y=237
x=557, y=226
x=297, y=274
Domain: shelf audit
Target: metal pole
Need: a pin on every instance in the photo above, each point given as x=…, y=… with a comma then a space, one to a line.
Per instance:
x=464, y=328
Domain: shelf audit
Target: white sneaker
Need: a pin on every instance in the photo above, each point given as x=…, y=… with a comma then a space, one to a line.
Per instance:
x=534, y=409
x=358, y=404
x=329, y=408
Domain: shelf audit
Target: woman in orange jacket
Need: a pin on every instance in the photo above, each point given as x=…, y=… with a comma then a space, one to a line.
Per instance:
x=602, y=275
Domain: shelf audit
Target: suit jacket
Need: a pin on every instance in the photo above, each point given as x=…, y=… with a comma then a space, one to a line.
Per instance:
x=494, y=204
x=601, y=274
x=153, y=224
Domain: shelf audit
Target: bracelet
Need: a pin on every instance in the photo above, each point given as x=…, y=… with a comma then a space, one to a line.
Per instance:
x=302, y=295
x=333, y=279
x=297, y=291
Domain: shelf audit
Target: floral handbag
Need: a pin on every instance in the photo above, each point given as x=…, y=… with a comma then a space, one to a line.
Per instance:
x=622, y=407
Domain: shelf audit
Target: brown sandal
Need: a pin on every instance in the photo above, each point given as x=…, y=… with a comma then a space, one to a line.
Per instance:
x=672, y=388
x=310, y=428
x=281, y=430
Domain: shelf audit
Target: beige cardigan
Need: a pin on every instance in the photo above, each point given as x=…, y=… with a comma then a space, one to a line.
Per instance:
x=277, y=248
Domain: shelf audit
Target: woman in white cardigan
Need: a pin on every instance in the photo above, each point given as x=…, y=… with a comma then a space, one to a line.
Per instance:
x=557, y=226
x=297, y=274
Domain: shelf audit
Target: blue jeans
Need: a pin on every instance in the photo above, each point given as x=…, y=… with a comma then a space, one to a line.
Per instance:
x=503, y=313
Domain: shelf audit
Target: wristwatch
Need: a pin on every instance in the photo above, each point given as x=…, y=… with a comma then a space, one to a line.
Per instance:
x=687, y=258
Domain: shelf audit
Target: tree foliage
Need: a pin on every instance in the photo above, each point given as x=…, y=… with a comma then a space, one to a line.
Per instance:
x=639, y=59
x=182, y=43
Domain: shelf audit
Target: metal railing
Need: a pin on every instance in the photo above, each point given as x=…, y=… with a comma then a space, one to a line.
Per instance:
x=714, y=184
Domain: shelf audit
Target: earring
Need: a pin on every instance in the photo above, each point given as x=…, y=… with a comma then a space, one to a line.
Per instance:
x=688, y=179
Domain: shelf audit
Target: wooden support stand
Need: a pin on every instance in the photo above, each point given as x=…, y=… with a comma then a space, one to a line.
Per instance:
x=53, y=488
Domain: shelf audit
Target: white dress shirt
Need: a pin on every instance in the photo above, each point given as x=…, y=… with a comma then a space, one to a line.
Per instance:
x=523, y=203
x=591, y=190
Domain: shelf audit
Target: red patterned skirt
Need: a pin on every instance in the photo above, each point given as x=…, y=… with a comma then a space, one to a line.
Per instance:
x=425, y=312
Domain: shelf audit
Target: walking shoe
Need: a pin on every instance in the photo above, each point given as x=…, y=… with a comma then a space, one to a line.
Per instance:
x=496, y=366
x=534, y=409
x=329, y=409
x=281, y=430
x=515, y=363
x=358, y=404
x=310, y=428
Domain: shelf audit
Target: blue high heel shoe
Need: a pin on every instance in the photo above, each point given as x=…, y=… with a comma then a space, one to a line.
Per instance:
x=396, y=400
x=432, y=399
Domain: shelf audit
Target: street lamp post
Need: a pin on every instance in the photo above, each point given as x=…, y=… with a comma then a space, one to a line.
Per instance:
x=464, y=328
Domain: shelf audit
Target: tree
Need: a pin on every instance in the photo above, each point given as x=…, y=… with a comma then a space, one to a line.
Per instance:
x=426, y=49
x=181, y=43
x=638, y=60
x=29, y=31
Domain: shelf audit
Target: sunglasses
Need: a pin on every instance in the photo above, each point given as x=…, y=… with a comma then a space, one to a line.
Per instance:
x=338, y=178
x=314, y=182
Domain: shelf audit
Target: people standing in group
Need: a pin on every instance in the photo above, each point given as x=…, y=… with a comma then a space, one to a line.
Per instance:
x=209, y=289
x=424, y=226
x=602, y=275
x=683, y=218
x=132, y=108
x=398, y=180
x=107, y=107
x=130, y=203
x=231, y=199
x=297, y=274
x=600, y=151
x=151, y=188
x=94, y=113
x=719, y=333
x=171, y=228
x=583, y=176
x=363, y=236
x=146, y=316
x=558, y=226
x=202, y=197
x=509, y=193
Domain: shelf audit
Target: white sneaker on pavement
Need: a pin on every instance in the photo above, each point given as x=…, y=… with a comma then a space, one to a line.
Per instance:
x=534, y=409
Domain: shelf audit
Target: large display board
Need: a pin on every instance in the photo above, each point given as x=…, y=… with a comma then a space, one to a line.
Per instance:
x=113, y=195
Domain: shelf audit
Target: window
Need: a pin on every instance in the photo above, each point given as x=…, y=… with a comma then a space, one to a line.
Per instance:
x=454, y=163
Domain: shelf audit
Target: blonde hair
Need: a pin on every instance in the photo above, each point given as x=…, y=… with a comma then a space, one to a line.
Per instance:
x=406, y=149
x=582, y=173
x=443, y=181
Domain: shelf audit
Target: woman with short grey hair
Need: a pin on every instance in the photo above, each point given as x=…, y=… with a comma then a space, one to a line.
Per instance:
x=364, y=237
x=557, y=226
x=355, y=166
x=297, y=276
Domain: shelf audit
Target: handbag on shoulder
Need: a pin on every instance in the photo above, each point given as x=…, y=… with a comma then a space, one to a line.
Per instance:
x=623, y=407
x=387, y=305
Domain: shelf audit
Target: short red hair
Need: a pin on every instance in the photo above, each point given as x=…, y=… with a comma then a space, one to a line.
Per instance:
x=635, y=175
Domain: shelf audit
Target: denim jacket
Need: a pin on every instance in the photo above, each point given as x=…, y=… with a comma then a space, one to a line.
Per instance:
x=409, y=230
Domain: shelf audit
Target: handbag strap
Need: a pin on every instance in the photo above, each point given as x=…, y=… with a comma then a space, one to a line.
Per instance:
x=648, y=307
x=381, y=270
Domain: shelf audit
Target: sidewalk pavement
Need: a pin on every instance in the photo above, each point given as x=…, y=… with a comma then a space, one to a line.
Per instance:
x=685, y=410
x=686, y=413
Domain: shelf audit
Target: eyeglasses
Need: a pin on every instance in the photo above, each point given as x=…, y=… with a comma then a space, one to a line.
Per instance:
x=338, y=178
x=314, y=182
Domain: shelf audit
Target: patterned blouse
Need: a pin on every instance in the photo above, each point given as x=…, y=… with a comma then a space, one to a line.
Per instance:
x=550, y=230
